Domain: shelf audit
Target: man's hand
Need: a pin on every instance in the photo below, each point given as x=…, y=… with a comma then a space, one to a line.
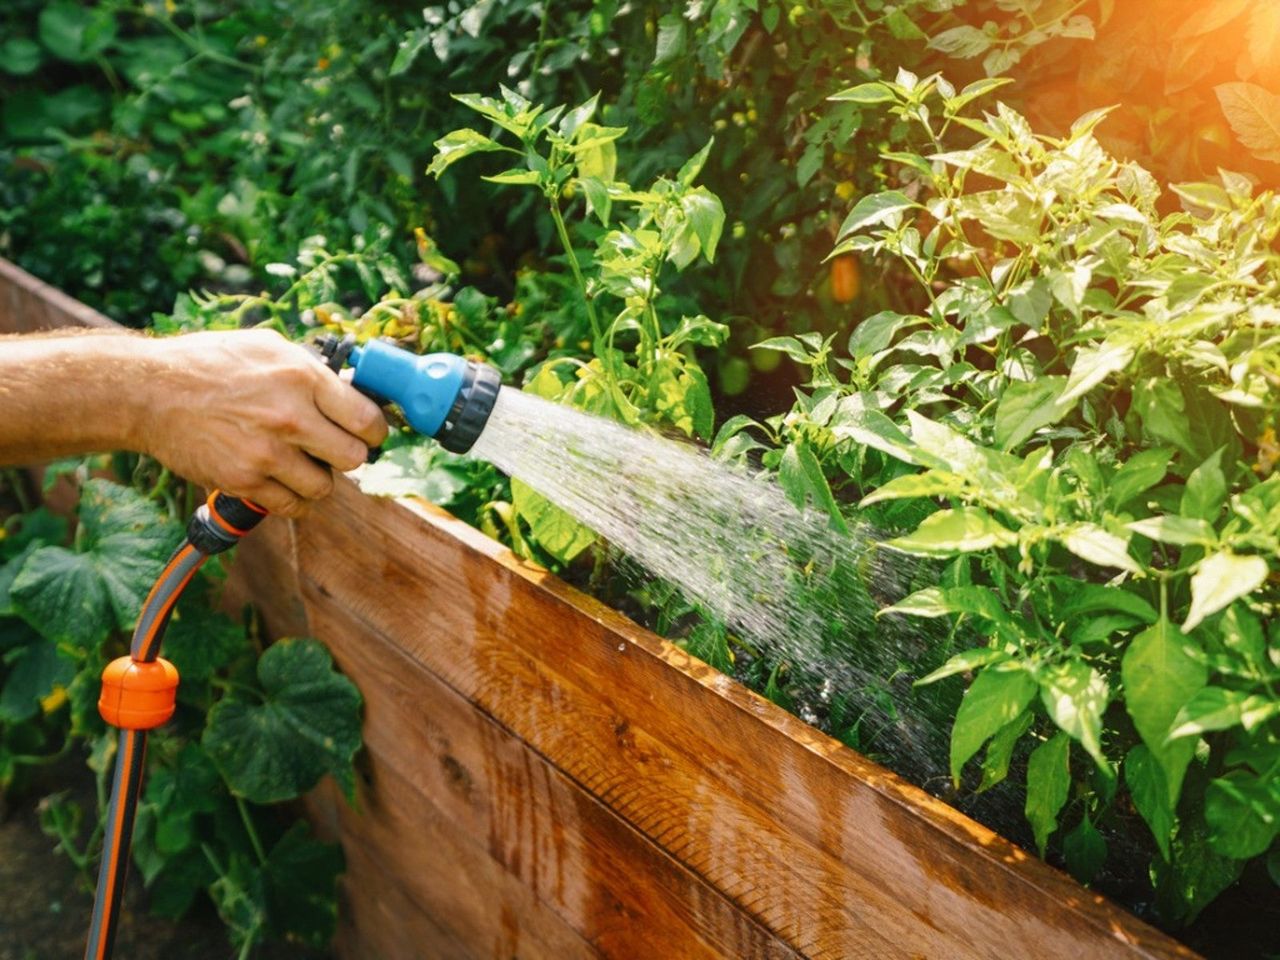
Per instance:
x=245, y=411
x=255, y=415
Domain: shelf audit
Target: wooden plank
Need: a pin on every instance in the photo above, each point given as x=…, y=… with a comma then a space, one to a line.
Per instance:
x=417, y=887
x=620, y=892
x=264, y=573
x=28, y=304
x=837, y=856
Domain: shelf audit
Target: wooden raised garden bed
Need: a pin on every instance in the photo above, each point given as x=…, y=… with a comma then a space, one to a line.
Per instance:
x=545, y=780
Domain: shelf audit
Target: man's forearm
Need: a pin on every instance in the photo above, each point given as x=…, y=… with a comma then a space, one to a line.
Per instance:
x=71, y=394
x=245, y=411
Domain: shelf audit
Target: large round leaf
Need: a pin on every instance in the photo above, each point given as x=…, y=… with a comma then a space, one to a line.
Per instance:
x=305, y=724
x=79, y=596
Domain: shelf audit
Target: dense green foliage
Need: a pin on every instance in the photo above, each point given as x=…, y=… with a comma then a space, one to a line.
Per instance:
x=253, y=728
x=1031, y=342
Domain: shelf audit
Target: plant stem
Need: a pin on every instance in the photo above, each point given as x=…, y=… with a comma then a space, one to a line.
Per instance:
x=253, y=833
x=542, y=38
x=563, y=231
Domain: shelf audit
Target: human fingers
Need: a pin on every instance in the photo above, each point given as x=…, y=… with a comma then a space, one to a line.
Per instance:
x=351, y=410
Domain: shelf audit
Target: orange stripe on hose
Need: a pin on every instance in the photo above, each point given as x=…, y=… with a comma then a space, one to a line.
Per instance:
x=124, y=762
x=262, y=511
x=158, y=622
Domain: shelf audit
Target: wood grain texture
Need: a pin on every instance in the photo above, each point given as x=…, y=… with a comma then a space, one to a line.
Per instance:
x=28, y=304
x=446, y=760
x=831, y=854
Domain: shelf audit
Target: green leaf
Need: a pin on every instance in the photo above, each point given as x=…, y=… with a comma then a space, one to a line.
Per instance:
x=1179, y=531
x=1048, y=785
x=200, y=640
x=995, y=763
x=876, y=209
x=1076, y=695
x=1194, y=877
x=801, y=478
x=931, y=483
x=671, y=34
x=1093, y=364
x=20, y=56
x=407, y=50
x=865, y=93
x=301, y=879
x=514, y=177
x=940, y=601
x=1161, y=673
x=963, y=662
x=995, y=698
x=792, y=347
x=554, y=530
x=1025, y=407
x=871, y=428
x=947, y=532
x=1254, y=115
x=454, y=146
x=1150, y=792
x=876, y=332
x=74, y=32
x=965, y=42
x=78, y=598
x=179, y=792
x=305, y=724
x=1088, y=541
x=31, y=674
x=598, y=200
x=706, y=215
x=979, y=88
x=1140, y=473
x=575, y=119
x=1086, y=598
x=1206, y=490
x=693, y=166
x=418, y=468
x=1162, y=408
x=1216, y=708
x=1219, y=579
x=1243, y=813
x=1085, y=850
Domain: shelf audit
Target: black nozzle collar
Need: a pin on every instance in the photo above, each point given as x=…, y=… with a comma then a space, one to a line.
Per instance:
x=471, y=409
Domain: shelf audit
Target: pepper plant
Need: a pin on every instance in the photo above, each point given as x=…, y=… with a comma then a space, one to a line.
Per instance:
x=643, y=368
x=1074, y=415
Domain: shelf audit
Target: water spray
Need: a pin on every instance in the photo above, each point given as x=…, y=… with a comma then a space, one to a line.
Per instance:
x=443, y=396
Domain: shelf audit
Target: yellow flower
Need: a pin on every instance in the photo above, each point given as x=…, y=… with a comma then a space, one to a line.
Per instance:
x=56, y=698
x=845, y=189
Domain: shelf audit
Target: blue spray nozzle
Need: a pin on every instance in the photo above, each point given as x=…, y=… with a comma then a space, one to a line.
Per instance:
x=440, y=394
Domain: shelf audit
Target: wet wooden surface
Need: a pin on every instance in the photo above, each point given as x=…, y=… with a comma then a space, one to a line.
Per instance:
x=583, y=778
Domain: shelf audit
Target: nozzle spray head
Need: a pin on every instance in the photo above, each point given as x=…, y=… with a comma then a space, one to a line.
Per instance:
x=442, y=395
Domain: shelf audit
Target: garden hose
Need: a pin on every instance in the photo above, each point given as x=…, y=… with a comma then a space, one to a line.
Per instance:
x=139, y=693
x=441, y=395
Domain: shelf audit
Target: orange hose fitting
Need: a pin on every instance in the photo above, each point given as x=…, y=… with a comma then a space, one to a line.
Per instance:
x=137, y=695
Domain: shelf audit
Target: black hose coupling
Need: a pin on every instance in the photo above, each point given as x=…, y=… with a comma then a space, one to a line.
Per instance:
x=221, y=522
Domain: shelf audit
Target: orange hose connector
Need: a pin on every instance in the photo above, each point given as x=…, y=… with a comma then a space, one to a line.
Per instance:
x=138, y=695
